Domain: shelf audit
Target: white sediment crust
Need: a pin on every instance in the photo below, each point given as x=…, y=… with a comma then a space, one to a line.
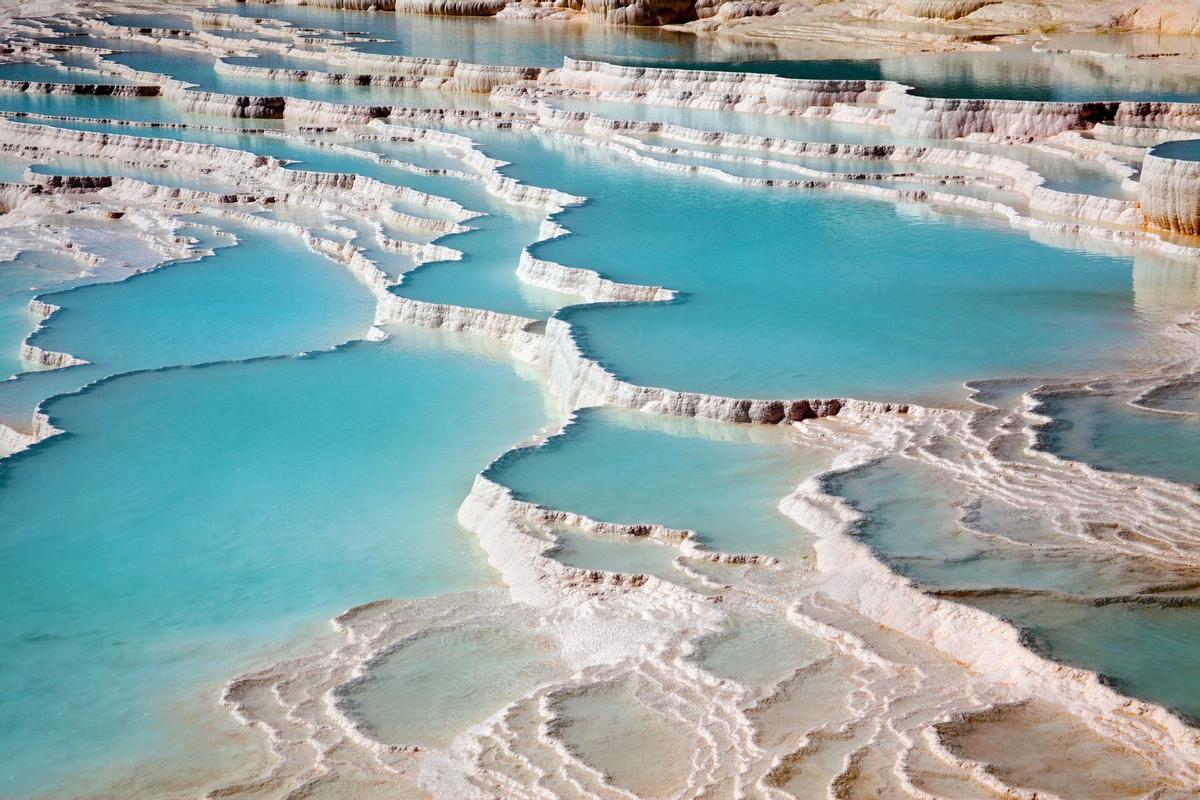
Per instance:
x=579, y=381
x=990, y=647
x=585, y=283
x=13, y=441
x=1169, y=193
x=302, y=186
x=991, y=650
x=392, y=72
x=902, y=111
x=241, y=167
x=1020, y=177
x=92, y=89
x=913, y=661
x=48, y=359
x=742, y=91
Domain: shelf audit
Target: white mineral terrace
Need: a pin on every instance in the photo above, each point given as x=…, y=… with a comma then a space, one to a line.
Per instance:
x=906, y=673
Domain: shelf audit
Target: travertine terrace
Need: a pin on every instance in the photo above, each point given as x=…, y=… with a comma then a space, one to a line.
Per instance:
x=912, y=691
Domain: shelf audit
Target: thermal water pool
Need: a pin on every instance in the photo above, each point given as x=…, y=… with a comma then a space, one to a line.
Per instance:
x=205, y=520
x=721, y=481
x=792, y=293
x=268, y=295
x=1147, y=644
x=1110, y=433
x=181, y=500
x=19, y=281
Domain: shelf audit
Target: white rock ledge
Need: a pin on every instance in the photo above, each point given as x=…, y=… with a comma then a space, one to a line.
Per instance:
x=1169, y=193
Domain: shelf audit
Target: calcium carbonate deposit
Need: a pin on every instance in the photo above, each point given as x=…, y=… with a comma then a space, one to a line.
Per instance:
x=490, y=399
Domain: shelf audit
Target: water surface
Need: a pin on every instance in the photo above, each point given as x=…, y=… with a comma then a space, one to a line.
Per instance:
x=269, y=295
x=722, y=481
x=803, y=310
x=312, y=484
x=1147, y=647
x=1109, y=433
x=196, y=521
x=1015, y=72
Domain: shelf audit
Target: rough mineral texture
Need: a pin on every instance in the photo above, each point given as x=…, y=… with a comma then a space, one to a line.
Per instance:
x=1169, y=192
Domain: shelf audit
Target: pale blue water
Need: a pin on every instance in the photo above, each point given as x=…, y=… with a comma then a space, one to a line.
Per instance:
x=759, y=651
x=483, y=40
x=1012, y=73
x=1185, y=150
x=1015, y=73
x=19, y=280
x=197, y=69
x=1149, y=649
x=12, y=169
x=630, y=555
x=721, y=481
x=1111, y=434
x=486, y=275
x=165, y=177
x=437, y=685
x=1146, y=649
x=195, y=518
x=43, y=73
x=484, y=278
x=823, y=163
x=1061, y=173
x=780, y=301
x=1184, y=398
x=423, y=154
x=913, y=521
x=266, y=296
x=639, y=750
x=135, y=108
x=71, y=58
x=168, y=21
x=255, y=36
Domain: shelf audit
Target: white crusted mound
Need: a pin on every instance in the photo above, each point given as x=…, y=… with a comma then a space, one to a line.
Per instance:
x=1169, y=193
x=897, y=673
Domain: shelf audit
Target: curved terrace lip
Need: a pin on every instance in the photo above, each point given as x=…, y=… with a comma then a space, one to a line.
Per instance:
x=615, y=629
x=1180, y=150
